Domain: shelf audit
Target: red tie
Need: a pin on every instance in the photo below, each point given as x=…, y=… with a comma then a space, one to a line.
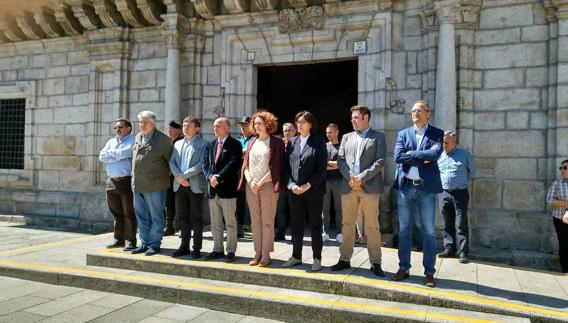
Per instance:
x=219, y=147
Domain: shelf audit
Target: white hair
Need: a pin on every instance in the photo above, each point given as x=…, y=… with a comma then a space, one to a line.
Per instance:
x=147, y=114
x=452, y=135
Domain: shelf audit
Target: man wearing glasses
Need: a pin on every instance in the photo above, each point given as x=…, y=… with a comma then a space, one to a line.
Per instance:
x=418, y=181
x=456, y=169
x=117, y=157
x=556, y=197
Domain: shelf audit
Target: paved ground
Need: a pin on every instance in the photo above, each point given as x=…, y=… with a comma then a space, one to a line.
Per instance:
x=49, y=247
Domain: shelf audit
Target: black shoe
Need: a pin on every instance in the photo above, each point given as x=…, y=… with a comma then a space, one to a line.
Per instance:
x=340, y=265
x=447, y=253
x=463, y=259
x=116, y=244
x=129, y=246
x=182, y=251
x=230, y=257
x=169, y=231
x=215, y=255
x=377, y=270
x=139, y=250
x=196, y=254
x=279, y=238
x=152, y=251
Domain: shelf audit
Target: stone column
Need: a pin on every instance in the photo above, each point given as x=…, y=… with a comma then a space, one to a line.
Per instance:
x=562, y=80
x=173, y=96
x=446, y=105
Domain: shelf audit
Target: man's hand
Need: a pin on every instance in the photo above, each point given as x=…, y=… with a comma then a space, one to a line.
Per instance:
x=332, y=165
x=255, y=188
x=304, y=188
x=565, y=217
x=214, y=180
x=296, y=190
x=558, y=203
x=182, y=181
x=355, y=183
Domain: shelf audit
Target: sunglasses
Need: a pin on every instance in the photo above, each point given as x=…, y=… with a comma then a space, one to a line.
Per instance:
x=563, y=167
x=119, y=127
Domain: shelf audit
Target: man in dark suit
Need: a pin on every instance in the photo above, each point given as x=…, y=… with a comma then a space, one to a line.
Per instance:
x=305, y=166
x=361, y=160
x=418, y=181
x=221, y=165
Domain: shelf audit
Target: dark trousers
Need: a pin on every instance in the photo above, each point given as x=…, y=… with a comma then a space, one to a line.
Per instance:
x=243, y=212
x=121, y=204
x=189, y=209
x=300, y=206
x=562, y=234
x=282, y=213
x=170, y=211
x=454, y=220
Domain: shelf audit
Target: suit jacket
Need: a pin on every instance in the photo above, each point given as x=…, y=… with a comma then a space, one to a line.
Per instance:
x=194, y=173
x=227, y=167
x=150, y=163
x=275, y=163
x=425, y=157
x=308, y=165
x=371, y=161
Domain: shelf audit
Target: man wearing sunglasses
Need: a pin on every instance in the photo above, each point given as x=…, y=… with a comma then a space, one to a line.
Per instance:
x=557, y=197
x=117, y=157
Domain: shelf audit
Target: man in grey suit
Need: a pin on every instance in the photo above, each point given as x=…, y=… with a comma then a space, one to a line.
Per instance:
x=361, y=160
x=186, y=164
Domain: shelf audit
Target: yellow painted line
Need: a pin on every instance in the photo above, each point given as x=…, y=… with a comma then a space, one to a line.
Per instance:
x=353, y=279
x=50, y=245
x=236, y=291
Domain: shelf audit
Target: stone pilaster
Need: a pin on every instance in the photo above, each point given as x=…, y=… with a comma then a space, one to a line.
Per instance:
x=173, y=92
x=446, y=102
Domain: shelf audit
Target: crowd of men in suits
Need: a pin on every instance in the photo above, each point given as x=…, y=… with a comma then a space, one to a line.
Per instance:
x=299, y=172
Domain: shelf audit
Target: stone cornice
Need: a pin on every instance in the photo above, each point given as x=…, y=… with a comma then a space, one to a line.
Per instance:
x=556, y=10
x=462, y=16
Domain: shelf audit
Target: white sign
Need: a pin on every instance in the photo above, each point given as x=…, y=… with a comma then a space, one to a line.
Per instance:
x=250, y=56
x=360, y=47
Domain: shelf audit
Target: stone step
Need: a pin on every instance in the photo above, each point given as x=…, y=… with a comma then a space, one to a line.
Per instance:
x=247, y=299
x=361, y=285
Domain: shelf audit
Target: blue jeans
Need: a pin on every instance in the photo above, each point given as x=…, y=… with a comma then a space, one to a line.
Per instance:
x=415, y=204
x=149, y=209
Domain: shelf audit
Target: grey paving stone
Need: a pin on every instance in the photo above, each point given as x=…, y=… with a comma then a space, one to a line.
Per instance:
x=252, y=319
x=134, y=312
x=21, y=317
x=216, y=316
x=83, y=313
x=156, y=319
x=24, y=289
x=181, y=312
x=116, y=301
x=56, y=291
x=66, y=303
x=19, y=303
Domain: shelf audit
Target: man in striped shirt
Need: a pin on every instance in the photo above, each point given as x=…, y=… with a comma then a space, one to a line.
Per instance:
x=556, y=197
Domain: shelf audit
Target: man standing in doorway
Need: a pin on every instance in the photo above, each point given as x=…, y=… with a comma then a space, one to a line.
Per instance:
x=456, y=169
x=150, y=181
x=333, y=187
x=418, y=181
x=117, y=157
x=221, y=165
x=243, y=213
x=283, y=204
x=361, y=160
x=174, y=133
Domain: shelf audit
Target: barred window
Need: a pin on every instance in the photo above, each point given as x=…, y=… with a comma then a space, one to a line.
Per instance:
x=12, y=120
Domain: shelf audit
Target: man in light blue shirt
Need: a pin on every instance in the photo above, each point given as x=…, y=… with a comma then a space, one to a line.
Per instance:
x=456, y=169
x=117, y=157
x=186, y=164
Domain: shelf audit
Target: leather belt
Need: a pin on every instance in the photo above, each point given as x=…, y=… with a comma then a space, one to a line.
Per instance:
x=120, y=178
x=415, y=182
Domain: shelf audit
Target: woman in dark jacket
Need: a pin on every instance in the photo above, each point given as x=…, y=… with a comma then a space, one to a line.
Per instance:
x=305, y=166
x=260, y=176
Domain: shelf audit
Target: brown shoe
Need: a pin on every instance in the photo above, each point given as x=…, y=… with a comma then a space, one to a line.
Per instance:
x=254, y=261
x=400, y=275
x=430, y=281
x=264, y=262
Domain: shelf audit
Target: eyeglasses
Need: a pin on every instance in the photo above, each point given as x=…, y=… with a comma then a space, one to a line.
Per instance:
x=118, y=127
x=563, y=167
x=418, y=111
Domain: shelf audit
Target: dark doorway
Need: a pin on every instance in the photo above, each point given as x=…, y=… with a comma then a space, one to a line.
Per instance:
x=328, y=90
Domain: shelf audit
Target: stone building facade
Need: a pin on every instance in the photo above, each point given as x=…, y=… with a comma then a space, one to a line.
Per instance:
x=494, y=70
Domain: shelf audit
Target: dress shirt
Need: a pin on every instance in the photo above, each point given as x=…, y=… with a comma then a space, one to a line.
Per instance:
x=117, y=156
x=187, y=150
x=360, y=138
x=222, y=140
x=456, y=168
x=419, y=135
x=303, y=141
x=146, y=138
x=558, y=191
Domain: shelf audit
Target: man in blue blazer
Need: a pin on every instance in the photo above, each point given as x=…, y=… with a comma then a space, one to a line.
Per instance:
x=418, y=181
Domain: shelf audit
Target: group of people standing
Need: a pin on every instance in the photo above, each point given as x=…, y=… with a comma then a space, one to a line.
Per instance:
x=299, y=171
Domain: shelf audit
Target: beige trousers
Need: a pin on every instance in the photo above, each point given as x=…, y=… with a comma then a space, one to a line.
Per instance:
x=262, y=206
x=369, y=207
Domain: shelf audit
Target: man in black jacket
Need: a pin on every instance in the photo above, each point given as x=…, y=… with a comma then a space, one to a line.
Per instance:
x=221, y=166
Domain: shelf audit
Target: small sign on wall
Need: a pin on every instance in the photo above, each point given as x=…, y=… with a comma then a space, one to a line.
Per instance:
x=360, y=47
x=251, y=56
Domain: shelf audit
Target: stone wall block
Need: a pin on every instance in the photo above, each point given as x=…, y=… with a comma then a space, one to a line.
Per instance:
x=487, y=193
x=526, y=143
x=149, y=64
x=524, y=195
x=499, y=100
x=53, y=86
x=534, y=33
x=504, y=78
x=536, y=76
x=61, y=162
x=489, y=121
x=517, y=120
x=81, y=99
x=146, y=79
x=73, y=181
x=562, y=96
x=149, y=95
x=214, y=75
x=82, y=69
x=507, y=16
x=39, y=60
x=538, y=120
x=47, y=180
x=412, y=26
x=59, y=71
x=412, y=43
x=77, y=84
x=563, y=73
x=57, y=59
x=516, y=168
x=58, y=145
x=75, y=58
x=504, y=56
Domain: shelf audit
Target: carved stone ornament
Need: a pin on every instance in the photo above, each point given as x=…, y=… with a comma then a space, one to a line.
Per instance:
x=236, y=7
x=173, y=38
x=265, y=5
x=206, y=8
x=297, y=20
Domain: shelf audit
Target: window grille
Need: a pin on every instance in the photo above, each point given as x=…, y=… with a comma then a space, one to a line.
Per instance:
x=12, y=121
